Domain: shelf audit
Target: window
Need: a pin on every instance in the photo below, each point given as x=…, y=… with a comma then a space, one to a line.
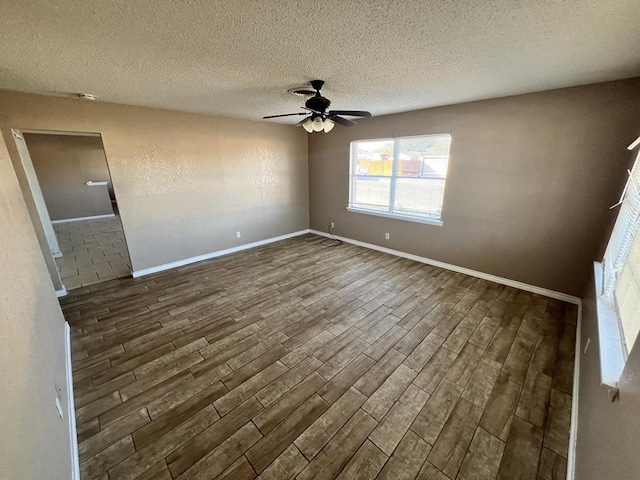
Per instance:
x=618, y=283
x=400, y=177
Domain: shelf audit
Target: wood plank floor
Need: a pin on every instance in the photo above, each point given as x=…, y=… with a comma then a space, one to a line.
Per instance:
x=296, y=360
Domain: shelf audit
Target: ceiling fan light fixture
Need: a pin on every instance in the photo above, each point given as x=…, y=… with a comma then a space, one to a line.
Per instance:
x=318, y=124
x=328, y=125
x=308, y=125
x=317, y=115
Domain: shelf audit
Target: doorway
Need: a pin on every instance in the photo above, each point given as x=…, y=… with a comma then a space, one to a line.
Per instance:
x=73, y=178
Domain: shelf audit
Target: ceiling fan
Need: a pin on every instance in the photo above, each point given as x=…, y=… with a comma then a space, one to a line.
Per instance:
x=318, y=117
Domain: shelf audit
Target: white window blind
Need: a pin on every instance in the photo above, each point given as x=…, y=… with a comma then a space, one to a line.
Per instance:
x=621, y=282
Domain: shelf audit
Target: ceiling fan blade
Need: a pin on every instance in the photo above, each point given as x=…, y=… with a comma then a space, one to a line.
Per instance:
x=299, y=124
x=342, y=121
x=350, y=113
x=311, y=110
x=284, y=115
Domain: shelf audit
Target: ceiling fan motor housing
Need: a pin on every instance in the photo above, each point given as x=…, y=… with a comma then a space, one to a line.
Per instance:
x=318, y=103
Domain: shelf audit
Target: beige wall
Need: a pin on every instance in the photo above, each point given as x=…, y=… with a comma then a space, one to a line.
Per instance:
x=35, y=441
x=63, y=163
x=45, y=234
x=530, y=182
x=185, y=183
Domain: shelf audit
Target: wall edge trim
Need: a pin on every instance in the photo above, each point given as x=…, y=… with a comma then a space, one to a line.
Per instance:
x=77, y=219
x=573, y=430
x=71, y=409
x=467, y=271
x=218, y=253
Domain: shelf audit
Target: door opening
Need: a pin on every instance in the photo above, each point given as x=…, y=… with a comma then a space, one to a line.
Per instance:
x=73, y=176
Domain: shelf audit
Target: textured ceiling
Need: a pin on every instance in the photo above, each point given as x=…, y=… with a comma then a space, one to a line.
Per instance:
x=238, y=58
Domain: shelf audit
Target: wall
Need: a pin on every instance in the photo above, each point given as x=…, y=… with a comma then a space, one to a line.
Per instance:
x=185, y=183
x=63, y=164
x=531, y=178
x=35, y=441
x=34, y=201
x=608, y=433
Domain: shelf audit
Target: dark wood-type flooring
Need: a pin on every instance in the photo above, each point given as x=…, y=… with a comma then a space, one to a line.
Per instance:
x=296, y=360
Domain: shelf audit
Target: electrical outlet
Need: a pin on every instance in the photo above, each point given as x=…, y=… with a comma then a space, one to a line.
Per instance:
x=237, y=234
x=332, y=225
x=386, y=236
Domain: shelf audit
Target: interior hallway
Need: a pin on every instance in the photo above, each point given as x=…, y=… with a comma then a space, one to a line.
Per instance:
x=93, y=251
x=294, y=360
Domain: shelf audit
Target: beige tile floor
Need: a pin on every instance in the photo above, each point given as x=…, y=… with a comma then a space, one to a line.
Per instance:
x=93, y=251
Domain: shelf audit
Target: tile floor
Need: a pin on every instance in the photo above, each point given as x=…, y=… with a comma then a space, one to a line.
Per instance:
x=293, y=360
x=93, y=251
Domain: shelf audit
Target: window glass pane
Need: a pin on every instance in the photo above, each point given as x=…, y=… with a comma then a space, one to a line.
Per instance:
x=425, y=157
x=419, y=196
x=374, y=157
x=371, y=193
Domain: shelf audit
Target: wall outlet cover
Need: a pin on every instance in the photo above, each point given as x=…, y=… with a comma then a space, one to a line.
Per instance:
x=237, y=234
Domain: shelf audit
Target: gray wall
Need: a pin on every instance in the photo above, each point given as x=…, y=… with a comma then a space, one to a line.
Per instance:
x=35, y=440
x=63, y=163
x=185, y=183
x=608, y=433
x=531, y=179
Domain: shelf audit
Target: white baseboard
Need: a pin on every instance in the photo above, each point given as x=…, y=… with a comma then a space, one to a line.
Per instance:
x=219, y=253
x=467, y=271
x=62, y=292
x=71, y=409
x=573, y=432
x=78, y=219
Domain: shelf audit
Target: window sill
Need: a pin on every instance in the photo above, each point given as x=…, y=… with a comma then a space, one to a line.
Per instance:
x=396, y=216
x=611, y=352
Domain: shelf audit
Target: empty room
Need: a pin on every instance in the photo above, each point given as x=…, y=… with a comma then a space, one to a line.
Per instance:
x=337, y=240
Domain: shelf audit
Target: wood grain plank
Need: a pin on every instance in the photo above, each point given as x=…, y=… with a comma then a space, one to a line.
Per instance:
x=384, y=397
x=431, y=419
x=327, y=425
x=224, y=455
x=521, y=455
x=407, y=460
x=209, y=437
x=286, y=466
x=365, y=464
x=395, y=424
x=276, y=441
x=483, y=458
x=336, y=454
x=500, y=408
x=452, y=444
x=268, y=418
x=287, y=381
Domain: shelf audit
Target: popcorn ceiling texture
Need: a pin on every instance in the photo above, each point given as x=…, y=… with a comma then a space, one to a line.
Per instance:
x=238, y=58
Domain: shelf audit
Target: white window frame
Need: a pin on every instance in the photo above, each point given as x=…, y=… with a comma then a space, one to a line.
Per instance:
x=393, y=179
x=613, y=348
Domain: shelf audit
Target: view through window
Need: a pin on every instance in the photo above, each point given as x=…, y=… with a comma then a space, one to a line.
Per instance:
x=400, y=177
